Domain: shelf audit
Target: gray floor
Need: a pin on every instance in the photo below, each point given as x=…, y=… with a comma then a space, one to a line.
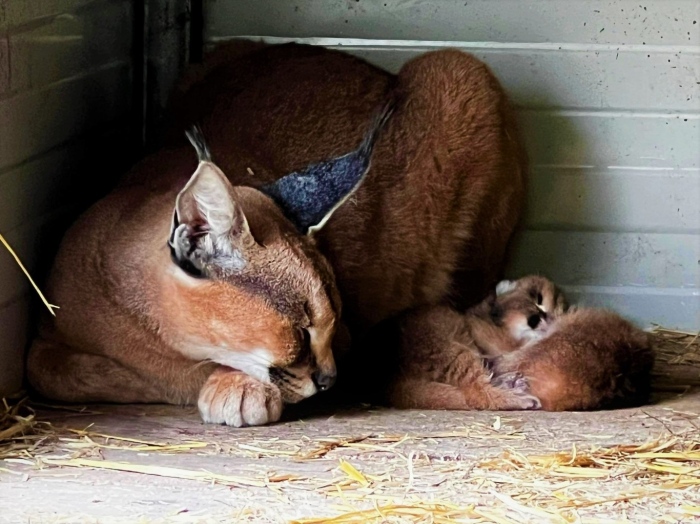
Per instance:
x=291, y=470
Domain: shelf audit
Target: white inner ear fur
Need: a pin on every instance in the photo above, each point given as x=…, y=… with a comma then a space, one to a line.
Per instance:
x=207, y=196
x=505, y=286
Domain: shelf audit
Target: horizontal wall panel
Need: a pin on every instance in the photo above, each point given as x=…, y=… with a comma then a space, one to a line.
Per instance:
x=15, y=13
x=624, y=200
x=13, y=335
x=34, y=122
x=66, y=46
x=660, y=22
x=591, y=118
x=60, y=177
x=676, y=309
x=4, y=65
x=610, y=259
x=582, y=138
x=581, y=78
x=39, y=237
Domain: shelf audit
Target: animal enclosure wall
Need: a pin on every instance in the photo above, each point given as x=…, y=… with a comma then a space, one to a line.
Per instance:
x=73, y=101
x=609, y=100
x=65, y=98
x=608, y=96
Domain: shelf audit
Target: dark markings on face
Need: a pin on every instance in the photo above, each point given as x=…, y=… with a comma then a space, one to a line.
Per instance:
x=279, y=294
x=533, y=321
x=496, y=314
x=281, y=376
x=536, y=295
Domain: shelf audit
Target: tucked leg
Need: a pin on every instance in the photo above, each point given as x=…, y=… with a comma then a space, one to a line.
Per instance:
x=63, y=373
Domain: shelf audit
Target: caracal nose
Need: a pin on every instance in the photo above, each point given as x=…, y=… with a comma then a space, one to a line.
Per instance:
x=324, y=380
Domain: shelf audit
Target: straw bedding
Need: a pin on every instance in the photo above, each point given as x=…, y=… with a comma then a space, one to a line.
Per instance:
x=376, y=475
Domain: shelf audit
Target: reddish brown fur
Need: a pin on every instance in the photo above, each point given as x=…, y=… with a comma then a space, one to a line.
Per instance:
x=499, y=323
x=441, y=351
x=574, y=360
x=434, y=214
x=441, y=368
x=447, y=184
x=591, y=359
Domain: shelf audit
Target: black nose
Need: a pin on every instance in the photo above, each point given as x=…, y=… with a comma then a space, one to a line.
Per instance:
x=533, y=321
x=324, y=381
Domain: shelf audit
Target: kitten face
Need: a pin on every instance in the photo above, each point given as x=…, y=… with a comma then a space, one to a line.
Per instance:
x=527, y=307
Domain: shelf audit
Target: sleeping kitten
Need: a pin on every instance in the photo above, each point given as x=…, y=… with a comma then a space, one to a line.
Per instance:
x=539, y=354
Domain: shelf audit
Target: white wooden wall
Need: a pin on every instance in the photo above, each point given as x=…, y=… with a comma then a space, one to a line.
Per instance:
x=609, y=100
x=65, y=91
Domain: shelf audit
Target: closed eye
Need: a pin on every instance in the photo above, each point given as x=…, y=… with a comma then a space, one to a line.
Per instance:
x=304, y=345
x=539, y=299
x=306, y=338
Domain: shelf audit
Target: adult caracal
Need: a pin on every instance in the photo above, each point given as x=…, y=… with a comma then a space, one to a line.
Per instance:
x=220, y=282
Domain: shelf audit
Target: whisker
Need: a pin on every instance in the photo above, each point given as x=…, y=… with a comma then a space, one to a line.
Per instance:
x=198, y=365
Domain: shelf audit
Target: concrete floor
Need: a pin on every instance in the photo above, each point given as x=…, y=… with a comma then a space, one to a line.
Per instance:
x=291, y=470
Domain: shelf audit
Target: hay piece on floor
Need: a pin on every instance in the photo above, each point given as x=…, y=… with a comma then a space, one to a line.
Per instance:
x=160, y=471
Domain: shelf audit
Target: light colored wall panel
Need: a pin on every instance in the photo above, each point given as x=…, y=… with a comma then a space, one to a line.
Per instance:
x=16, y=13
x=609, y=104
x=65, y=82
x=580, y=77
x=70, y=45
x=653, y=22
x=623, y=200
x=611, y=259
x=4, y=65
x=36, y=121
x=665, y=307
x=57, y=178
x=27, y=241
x=582, y=138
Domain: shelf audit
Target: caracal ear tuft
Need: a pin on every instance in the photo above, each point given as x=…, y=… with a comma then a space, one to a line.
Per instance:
x=196, y=138
x=209, y=226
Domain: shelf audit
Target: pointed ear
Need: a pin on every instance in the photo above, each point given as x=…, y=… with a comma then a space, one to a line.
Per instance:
x=310, y=197
x=207, y=222
x=207, y=204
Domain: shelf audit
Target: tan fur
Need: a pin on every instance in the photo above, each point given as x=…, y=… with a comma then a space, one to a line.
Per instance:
x=499, y=324
x=441, y=351
x=430, y=223
x=590, y=359
x=570, y=360
x=440, y=367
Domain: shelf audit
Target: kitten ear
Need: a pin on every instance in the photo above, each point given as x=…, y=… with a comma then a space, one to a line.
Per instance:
x=207, y=221
x=309, y=197
x=505, y=286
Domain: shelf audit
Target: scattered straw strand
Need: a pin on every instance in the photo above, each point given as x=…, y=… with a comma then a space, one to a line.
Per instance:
x=49, y=306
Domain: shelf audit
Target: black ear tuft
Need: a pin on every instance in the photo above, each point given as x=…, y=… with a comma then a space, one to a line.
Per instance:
x=196, y=138
x=309, y=197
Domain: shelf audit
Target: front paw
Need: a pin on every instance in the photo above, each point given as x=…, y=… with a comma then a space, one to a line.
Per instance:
x=236, y=399
x=517, y=390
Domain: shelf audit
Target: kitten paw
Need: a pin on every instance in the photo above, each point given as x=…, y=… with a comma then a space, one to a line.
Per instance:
x=517, y=390
x=514, y=381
